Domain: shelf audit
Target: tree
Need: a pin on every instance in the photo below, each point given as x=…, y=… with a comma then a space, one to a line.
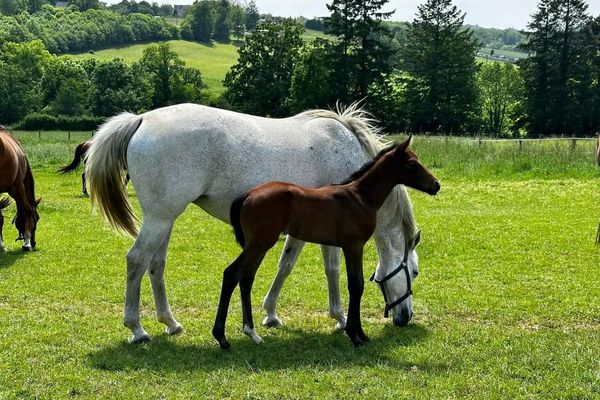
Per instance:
x=558, y=72
x=501, y=89
x=84, y=5
x=222, y=24
x=70, y=97
x=440, y=58
x=201, y=19
x=252, y=15
x=361, y=33
x=260, y=81
x=312, y=83
x=168, y=76
x=238, y=21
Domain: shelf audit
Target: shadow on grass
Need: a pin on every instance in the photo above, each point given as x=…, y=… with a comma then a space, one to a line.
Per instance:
x=10, y=257
x=293, y=349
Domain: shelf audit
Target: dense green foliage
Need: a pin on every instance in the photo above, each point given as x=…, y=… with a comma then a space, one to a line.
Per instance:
x=65, y=30
x=440, y=58
x=41, y=83
x=562, y=75
x=506, y=304
x=210, y=19
x=260, y=81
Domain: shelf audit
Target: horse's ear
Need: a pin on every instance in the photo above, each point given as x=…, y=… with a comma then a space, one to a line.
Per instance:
x=404, y=145
x=38, y=201
x=416, y=240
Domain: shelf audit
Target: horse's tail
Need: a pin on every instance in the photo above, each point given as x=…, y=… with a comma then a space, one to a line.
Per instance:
x=105, y=163
x=79, y=154
x=4, y=202
x=362, y=124
x=234, y=215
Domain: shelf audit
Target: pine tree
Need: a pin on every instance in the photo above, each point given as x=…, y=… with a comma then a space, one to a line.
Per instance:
x=440, y=59
x=558, y=73
x=252, y=15
x=223, y=24
x=361, y=34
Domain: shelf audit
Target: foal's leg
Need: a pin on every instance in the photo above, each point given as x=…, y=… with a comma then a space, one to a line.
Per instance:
x=157, y=271
x=356, y=284
x=152, y=235
x=246, y=295
x=231, y=277
x=288, y=258
x=331, y=259
x=2, y=248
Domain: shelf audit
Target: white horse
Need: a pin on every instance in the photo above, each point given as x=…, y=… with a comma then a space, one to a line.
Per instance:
x=189, y=153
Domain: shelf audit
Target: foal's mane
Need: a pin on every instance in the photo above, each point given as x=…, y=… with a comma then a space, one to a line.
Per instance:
x=368, y=165
x=362, y=125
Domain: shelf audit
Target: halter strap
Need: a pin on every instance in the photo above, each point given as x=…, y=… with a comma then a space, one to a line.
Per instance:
x=402, y=267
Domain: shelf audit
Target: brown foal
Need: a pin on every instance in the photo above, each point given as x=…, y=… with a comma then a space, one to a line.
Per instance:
x=17, y=180
x=342, y=215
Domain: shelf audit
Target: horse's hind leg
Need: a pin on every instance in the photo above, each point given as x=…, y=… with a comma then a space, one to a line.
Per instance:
x=152, y=235
x=331, y=259
x=83, y=184
x=288, y=258
x=246, y=295
x=2, y=248
x=157, y=272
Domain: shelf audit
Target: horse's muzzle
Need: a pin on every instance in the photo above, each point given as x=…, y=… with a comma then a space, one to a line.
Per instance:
x=403, y=318
x=435, y=188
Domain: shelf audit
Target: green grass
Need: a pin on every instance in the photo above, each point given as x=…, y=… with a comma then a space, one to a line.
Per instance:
x=214, y=61
x=507, y=303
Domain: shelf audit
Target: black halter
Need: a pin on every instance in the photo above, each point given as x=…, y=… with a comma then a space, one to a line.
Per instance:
x=403, y=267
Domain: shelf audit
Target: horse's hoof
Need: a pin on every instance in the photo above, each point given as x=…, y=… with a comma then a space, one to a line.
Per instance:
x=145, y=338
x=274, y=322
x=357, y=342
x=26, y=248
x=340, y=326
x=2, y=249
x=251, y=333
x=363, y=337
x=175, y=330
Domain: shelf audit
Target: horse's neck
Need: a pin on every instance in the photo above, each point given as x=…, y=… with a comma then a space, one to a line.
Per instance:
x=376, y=184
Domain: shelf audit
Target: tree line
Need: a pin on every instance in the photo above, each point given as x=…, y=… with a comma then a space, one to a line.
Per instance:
x=38, y=88
x=424, y=77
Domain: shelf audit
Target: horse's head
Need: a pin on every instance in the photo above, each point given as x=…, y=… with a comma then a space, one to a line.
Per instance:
x=396, y=283
x=26, y=223
x=410, y=170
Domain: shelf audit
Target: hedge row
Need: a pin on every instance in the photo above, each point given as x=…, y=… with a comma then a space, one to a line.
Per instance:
x=39, y=121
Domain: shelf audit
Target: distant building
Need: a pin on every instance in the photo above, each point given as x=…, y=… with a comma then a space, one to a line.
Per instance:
x=180, y=10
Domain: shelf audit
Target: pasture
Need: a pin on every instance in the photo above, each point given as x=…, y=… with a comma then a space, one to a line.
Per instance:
x=507, y=303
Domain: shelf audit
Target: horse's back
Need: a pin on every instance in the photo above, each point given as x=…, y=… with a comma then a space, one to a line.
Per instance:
x=12, y=161
x=191, y=153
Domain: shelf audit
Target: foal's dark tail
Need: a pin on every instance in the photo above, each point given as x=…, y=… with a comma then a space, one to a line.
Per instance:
x=4, y=202
x=234, y=216
x=80, y=151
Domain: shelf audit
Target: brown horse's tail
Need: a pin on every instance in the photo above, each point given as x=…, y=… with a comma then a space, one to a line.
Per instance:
x=106, y=161
x=234, y=216
x=4, y=202
x=79, y=154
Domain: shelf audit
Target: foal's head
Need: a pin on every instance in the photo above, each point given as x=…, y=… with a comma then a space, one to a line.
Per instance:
x=410, y=172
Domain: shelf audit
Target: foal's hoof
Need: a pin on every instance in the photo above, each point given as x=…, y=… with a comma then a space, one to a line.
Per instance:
x=272, y=322
x=26, y=249
x=175, y=330
x=144, y=338
x=224, y=344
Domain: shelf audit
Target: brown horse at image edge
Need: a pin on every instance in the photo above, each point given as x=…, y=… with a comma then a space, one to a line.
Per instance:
x=343, y=215
x=16, y=179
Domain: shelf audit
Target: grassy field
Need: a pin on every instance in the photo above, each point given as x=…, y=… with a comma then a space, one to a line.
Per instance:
x=213, y=60
x=507, y=303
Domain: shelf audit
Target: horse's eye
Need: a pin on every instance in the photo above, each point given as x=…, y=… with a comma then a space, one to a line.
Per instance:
x=411, y=164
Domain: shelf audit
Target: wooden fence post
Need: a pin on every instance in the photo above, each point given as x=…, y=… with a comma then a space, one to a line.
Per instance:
x=69, y=136
x=573, y=144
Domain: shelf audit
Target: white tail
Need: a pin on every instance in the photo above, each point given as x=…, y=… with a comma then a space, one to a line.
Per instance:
x=105, y=164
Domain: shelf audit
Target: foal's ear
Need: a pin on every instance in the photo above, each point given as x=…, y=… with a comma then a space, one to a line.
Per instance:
x=38, y=201
x=404, y=145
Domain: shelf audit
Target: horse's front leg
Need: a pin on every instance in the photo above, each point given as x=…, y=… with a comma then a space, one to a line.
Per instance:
x=331, y=259
x=157, y=272
x=287, y=260
x=83, y=185
x=356, y=284
x=2, y=248
x=152, y=235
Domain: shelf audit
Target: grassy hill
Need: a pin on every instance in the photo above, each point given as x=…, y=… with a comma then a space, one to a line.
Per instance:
x=213, y=60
